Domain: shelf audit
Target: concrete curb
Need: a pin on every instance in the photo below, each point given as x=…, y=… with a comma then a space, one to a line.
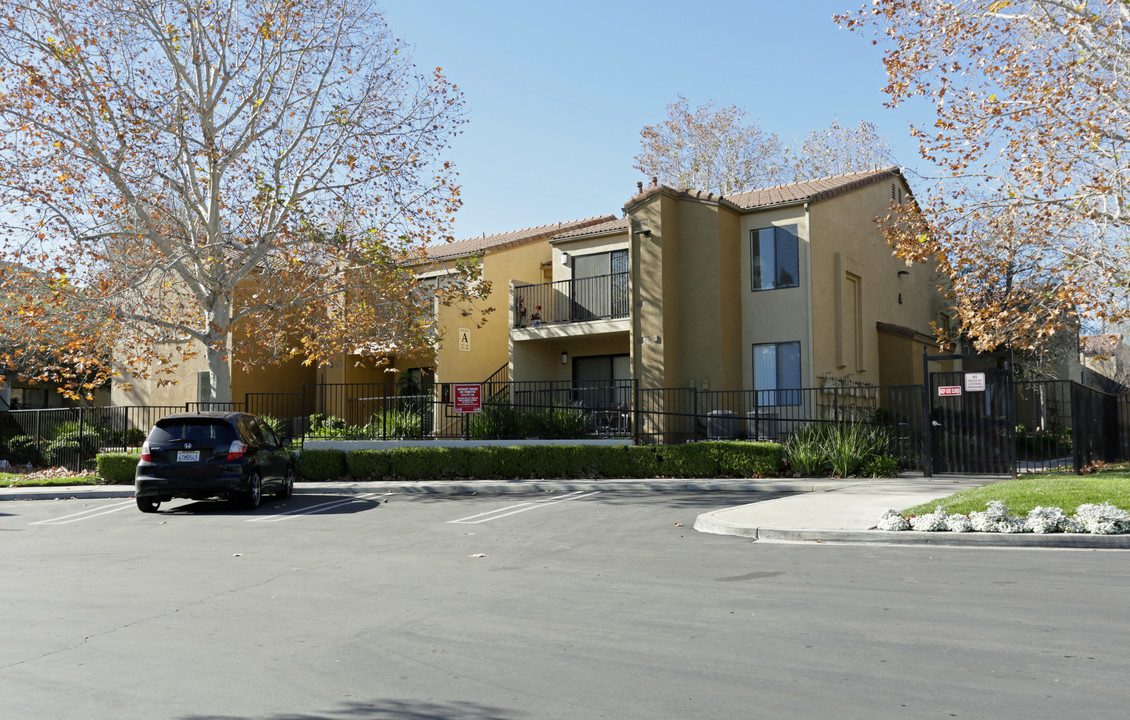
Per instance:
x=706, y=523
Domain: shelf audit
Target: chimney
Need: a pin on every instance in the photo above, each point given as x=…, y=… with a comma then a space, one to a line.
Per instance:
x=654, y=180
x=639, y=188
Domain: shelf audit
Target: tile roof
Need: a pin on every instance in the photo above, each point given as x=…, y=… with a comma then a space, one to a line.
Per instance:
x=804, y=191
x=605, y=227
x=508, y=239
x=1100, y=344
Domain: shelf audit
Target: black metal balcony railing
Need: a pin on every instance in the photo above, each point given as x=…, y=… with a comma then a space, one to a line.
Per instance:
x=601, y=297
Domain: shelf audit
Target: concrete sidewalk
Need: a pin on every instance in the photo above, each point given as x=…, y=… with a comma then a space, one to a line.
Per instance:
x=848, y=514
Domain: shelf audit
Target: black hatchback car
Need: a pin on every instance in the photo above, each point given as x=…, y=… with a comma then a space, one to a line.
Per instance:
x=228, y=455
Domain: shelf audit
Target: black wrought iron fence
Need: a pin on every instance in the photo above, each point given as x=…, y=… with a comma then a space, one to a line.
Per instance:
x=596, y=297
x=72, y=437
x=1057, y=423
x=508, y=410
x=678, y=415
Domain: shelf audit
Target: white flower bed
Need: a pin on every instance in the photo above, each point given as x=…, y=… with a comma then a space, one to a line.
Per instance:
x=1104, y=519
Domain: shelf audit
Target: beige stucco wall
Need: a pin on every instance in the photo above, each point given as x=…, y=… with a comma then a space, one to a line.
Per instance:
x=541, y=359
x=846, y=247
x=778, y=315
x=490, y=343
x=148, y=391
x=583, y=246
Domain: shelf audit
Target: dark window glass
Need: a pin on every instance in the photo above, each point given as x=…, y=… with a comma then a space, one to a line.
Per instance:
x=196, y=430
x=775, y=258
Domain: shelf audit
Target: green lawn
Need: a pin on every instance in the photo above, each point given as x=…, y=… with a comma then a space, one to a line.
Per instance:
x=1062, y=490
x=18, y=480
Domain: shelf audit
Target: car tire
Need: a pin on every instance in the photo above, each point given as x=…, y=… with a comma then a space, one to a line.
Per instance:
x=287, y=488
x=254, y=492
x=148, y=504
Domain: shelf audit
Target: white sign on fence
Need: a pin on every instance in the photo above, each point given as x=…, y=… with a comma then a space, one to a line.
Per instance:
x=975, y=382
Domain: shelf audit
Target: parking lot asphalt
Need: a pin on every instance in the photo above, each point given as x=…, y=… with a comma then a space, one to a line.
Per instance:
x=815, y=510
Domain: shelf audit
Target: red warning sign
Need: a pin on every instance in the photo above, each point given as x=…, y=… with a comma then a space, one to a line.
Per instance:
x=468, y=398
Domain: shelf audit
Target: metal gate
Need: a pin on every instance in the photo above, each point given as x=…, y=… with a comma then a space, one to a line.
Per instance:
x=970, y=424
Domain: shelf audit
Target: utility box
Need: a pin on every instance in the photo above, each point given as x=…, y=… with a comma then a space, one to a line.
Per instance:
x=722, y=425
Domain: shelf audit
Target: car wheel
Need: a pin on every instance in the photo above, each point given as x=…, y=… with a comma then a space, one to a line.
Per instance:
x=254, y=491
x=148, y=504
x=287, y=488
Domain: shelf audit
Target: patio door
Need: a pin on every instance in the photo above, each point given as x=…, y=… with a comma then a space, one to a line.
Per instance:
x=599, y=285
x=602, y=381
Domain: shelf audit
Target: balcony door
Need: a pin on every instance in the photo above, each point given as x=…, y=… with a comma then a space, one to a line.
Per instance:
x=600, y=285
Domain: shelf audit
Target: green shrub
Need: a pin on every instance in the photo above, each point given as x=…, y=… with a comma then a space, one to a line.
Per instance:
x=559, y=421
x=66, y=453
x=422, y=463
x=474, y=462
x=117, y=467
x=496, y=421
x=690, y=460
x=367, y=464
x=87, y=443
x=278, y=426
x=882, y=466
x=842, y=450
x=22, y=449
x=321, y=464
x=395, y=424
x=748, y=459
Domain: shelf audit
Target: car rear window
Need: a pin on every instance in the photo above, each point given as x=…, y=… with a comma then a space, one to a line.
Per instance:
x=201, y=430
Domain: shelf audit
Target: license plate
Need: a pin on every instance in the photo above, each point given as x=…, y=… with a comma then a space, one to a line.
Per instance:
x=188, y=456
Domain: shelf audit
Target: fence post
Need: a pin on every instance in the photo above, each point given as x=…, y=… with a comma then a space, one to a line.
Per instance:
x=81, y=433
x=927, y=427
x=694, y=430
x=1077, y=437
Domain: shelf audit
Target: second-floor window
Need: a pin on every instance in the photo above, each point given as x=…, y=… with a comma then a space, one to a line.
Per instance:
x=774, y=258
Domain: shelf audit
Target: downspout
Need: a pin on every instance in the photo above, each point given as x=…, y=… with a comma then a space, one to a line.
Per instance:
x=809, y=347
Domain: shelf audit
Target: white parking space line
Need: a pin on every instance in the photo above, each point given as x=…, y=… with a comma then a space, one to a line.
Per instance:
x=321, y=507
x=519, y=508
x=85, y=514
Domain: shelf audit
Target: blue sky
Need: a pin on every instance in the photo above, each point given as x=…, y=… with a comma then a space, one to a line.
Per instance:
x=557, y=93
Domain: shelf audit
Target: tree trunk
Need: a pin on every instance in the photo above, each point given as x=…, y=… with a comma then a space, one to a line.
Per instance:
x=219, y=374
x=217, y=350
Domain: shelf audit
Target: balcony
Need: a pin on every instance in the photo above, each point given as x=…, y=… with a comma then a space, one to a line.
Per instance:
x=600, y=297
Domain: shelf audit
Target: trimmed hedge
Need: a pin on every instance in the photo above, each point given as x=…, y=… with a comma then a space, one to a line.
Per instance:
x=328, y=464
x=117, y=467
x=704, y=459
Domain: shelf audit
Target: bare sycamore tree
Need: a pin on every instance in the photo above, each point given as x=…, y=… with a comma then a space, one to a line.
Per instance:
x=1032, y=106
x=838, y=150
x=719, y=150
x=709, y=149
x=239, y=178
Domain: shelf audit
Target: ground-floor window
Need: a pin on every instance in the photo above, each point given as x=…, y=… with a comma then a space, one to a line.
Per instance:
x=776, y=373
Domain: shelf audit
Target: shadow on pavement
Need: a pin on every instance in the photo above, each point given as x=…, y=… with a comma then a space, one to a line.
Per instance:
x=316, y=504
x=388, y=710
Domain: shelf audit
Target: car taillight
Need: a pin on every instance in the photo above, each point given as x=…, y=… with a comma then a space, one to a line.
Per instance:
x=236, y=451
x=145, y=454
